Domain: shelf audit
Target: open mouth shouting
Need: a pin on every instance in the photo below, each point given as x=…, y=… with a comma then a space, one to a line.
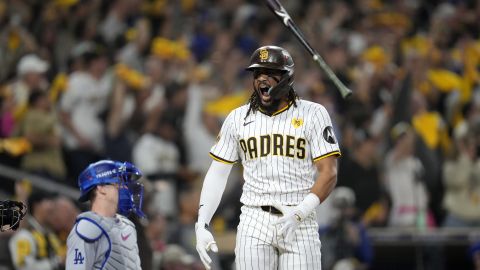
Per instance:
x=263, y=93
x=264, y=81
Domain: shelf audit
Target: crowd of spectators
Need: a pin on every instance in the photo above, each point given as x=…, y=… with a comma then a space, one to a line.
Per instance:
x=151, y=81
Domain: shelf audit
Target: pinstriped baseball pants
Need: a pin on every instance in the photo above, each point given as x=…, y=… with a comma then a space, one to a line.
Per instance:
x=259, y=246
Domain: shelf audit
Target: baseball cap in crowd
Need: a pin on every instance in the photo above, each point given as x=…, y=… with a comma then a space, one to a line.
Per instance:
x=31, y=63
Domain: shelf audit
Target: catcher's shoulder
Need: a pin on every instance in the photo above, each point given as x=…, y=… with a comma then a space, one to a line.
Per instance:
x=89, y=226
x=88, y=229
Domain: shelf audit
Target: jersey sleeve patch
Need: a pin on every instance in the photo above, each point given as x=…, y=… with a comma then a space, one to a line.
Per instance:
x=88, y=230
x=219, y=159
x=321, y=135
x=328, y=135
x=334, y=153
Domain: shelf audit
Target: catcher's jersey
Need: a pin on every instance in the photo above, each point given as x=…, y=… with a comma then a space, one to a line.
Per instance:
x=97, y=242
x=278, y=151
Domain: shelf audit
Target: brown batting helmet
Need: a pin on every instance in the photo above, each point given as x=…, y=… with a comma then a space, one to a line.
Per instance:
x=276, y=58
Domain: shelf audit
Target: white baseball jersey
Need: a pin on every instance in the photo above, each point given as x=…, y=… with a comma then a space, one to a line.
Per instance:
x=278, y=151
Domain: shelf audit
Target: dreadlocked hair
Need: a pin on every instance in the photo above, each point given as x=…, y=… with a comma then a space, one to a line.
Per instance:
x=255, y=102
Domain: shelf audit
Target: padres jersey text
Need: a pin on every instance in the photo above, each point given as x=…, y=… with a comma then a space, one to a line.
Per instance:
x=278, y=151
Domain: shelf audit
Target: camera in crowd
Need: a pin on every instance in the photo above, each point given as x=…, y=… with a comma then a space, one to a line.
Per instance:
x=11, y=213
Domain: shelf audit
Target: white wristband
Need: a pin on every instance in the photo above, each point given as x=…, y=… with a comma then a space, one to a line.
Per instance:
x=309, y=203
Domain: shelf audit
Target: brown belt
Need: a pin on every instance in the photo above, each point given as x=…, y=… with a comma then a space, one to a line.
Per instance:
x=270, y=209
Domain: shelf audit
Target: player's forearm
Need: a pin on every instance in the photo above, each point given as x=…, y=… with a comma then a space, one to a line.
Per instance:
x=326, y=181
x=327, y=178
x=212, y=190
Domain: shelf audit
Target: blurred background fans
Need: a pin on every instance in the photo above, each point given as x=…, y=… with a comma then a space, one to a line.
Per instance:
x=151, y=81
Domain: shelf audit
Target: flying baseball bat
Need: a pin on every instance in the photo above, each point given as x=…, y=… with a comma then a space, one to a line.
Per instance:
x=276, y=7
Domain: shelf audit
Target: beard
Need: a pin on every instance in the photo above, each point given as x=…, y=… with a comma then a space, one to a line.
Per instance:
x=268, y=107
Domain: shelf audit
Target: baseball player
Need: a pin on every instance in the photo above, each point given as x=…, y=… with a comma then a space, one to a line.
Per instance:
x=288, y=151
x=101, y=238
x=33, y=247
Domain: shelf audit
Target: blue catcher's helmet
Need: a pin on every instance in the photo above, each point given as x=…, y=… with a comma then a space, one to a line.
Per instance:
x=130, y=193
x=98, y=173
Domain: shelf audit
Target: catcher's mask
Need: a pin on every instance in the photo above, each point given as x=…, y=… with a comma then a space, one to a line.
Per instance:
x=276, y=58
x=125, y=174
x=11, y=212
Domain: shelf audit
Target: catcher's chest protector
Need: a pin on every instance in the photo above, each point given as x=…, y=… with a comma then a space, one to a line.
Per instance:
x=115, y=240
